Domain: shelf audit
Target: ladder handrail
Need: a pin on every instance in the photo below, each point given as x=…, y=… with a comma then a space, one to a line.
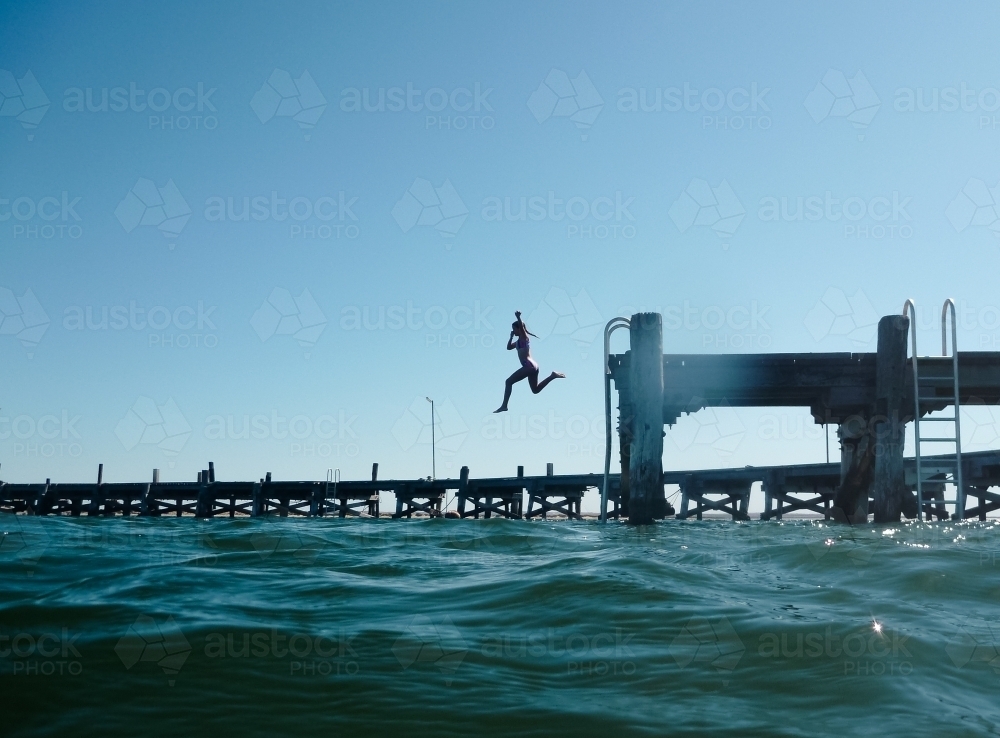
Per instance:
x=612, y=325
x=959, y=487
x=910, y=311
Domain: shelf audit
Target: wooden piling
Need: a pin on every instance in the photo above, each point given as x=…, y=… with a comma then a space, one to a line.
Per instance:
x=145, y=503
x=257, y=509
x=646, y=388
x=148, y=505
x=316, y=500
x=203, y=506
x=857, y=468
x=463, y=489
x=889, y=483
x=43, y=505
x=95, y=504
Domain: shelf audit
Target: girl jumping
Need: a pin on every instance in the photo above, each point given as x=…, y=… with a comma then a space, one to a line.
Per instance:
x=529, y=367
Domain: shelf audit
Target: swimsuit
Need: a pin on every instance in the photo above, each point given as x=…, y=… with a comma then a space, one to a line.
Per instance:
x=524, y=344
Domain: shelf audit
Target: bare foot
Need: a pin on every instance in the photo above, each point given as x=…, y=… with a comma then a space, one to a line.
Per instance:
x=558, y=375
x=500, y=410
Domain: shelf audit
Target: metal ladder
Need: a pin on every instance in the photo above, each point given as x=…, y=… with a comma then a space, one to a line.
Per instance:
x=924, y=392
x=612, y=325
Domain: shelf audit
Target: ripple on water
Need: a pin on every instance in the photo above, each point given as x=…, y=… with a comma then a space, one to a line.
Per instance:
x=441, y=627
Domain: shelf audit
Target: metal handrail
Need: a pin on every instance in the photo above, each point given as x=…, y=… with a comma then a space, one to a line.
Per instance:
x=910, y=311
x=959, y=487
x=612, y=325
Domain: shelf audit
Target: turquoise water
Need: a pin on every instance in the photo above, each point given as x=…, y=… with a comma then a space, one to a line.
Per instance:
x=438, y=627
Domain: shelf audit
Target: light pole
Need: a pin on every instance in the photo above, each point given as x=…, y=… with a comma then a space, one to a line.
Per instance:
x=433, y=443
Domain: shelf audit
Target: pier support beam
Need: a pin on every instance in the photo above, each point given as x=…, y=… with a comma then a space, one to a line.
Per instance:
x=857, y=467
x=889, y=484
x=98, y=501
x=204, y=503
x=646, y=389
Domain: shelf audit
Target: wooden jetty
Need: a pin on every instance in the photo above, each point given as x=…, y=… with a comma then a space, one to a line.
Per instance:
x=813, y=487
x=869, y=396
x=208, y=498
x=786, y=489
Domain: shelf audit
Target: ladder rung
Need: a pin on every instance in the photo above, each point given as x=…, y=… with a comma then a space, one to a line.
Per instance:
x=938, y=440
x=949, y=419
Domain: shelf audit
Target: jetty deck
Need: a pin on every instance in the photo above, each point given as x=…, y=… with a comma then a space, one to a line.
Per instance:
x=788, y=488
x=870, y=397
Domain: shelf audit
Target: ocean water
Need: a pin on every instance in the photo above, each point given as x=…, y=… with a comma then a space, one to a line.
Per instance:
x=124, y=627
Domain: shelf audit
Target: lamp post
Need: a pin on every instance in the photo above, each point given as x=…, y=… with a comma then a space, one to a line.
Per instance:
x=433, y=443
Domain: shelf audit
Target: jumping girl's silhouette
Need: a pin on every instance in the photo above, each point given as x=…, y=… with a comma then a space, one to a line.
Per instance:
x=529, y=367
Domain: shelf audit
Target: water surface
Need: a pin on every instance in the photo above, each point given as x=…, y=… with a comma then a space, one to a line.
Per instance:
x=113, y=627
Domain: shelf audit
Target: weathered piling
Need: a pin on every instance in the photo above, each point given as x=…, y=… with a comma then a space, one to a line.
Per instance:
x=857, y=468
x=203, y=506
x=889, y=484
x=95, y=505
x=646, y=384
x=257, y=500
x=463, y=489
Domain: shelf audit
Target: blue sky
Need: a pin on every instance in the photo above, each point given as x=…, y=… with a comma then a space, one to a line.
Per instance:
x=889, y=117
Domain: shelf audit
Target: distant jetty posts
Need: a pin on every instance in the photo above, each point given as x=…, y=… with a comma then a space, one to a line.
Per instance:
x=870, y=397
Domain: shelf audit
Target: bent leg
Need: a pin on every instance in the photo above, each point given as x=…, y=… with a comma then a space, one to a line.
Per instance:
x=537, y=386
x=511, y=381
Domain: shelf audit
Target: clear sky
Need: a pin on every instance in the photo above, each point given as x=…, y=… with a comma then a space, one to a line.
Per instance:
x=300, y=219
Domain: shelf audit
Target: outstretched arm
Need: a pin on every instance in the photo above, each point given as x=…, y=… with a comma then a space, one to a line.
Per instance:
x=517, y=314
